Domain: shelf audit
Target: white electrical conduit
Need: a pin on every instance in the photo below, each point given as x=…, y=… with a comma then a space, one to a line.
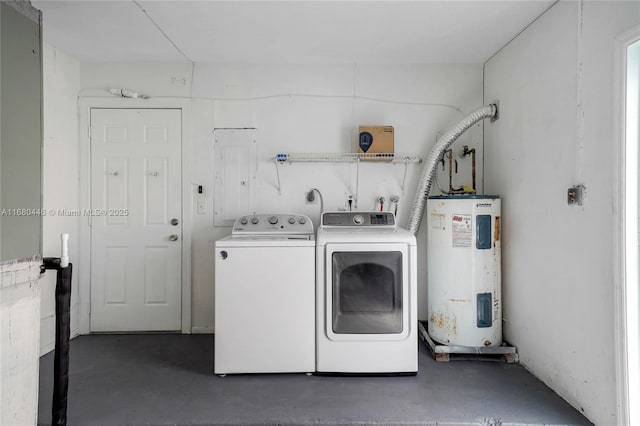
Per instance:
x=124, y=93
x=430, y=166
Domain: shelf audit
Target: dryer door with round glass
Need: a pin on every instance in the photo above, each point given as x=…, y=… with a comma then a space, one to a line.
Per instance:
x=367, y=295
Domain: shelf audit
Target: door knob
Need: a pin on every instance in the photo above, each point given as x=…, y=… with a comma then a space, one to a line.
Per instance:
x=174, y=221
x=174, y=237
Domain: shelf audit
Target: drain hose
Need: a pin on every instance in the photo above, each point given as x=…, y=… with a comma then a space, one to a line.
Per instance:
x=442, y=144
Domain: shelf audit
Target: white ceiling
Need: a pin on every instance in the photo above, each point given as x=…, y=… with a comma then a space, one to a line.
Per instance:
x=304, y=32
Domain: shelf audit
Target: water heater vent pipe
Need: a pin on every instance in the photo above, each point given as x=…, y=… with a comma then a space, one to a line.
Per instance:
x=442, y=144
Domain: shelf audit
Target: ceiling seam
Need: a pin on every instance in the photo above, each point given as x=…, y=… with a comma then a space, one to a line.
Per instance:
x=523, y=30
x=162, y=31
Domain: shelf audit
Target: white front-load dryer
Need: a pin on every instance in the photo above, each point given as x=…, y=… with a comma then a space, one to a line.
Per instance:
x=366, y=297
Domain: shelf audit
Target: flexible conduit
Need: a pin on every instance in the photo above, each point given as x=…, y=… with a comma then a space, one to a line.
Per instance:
x=442, y=144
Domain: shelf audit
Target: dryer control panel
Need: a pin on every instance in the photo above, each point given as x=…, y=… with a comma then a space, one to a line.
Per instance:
x=359, y=219
x=273, y=223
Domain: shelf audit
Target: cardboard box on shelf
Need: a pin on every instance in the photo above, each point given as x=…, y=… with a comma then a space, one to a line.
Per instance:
x=376, y=141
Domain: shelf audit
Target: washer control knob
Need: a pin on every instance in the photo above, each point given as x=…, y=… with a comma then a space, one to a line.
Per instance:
x=244, y=221
x=358, y=219
x=273, y=220
x=292, y=220
x=254, y=220
x=302, y=221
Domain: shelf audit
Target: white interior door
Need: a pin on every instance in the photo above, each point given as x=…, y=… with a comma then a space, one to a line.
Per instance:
x=632, y=250
x=136, y=222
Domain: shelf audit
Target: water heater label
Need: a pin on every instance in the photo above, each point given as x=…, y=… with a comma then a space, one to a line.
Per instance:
x=461, y=230
x=438, y=221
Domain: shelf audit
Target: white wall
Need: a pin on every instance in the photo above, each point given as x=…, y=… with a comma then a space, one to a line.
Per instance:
x=326, y=119
x=19, y=341
x=304, y=108
x=60, y=179
x=555, y=85
x=204, y=233
x=158, y=79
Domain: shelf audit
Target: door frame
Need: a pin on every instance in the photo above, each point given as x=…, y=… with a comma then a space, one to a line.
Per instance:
x=621, y=330
x=85, y=105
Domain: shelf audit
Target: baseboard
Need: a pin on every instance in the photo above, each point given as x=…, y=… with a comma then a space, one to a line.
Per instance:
x=47, y=348
x=202, y=330
x=48, y=331
x=47, y=334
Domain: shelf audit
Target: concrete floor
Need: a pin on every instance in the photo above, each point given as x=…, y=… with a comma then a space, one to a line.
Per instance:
x=166, y=379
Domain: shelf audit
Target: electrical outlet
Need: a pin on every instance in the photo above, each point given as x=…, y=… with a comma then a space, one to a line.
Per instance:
x=310, y=197
x=575, y=195
x=349, y=203
x=202, y=205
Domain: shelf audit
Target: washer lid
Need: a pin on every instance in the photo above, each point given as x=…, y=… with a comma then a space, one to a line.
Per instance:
x=267, y=241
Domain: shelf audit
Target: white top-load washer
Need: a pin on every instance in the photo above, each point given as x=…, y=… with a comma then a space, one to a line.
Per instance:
x=264, y=296
x=366, y=297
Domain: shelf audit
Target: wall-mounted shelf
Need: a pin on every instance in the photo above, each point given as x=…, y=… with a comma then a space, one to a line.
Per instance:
x=348, y=157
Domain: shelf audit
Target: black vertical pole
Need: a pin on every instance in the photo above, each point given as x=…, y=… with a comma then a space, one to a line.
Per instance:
x=61, y=352
x=61, y=356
